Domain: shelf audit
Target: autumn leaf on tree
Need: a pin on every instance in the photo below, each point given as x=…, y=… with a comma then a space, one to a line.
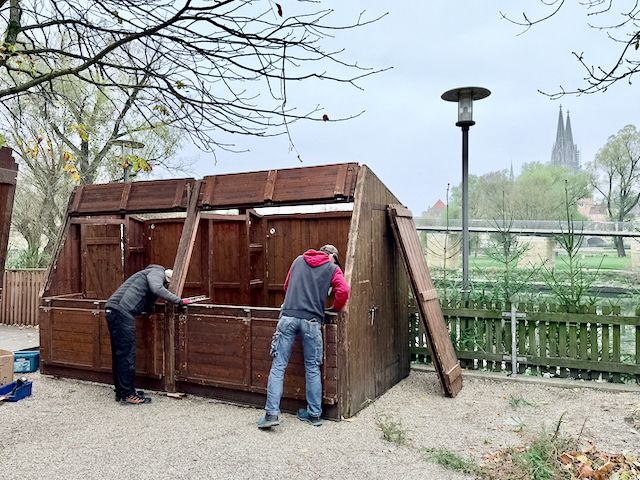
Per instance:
x=325, y=118
x=279, y=7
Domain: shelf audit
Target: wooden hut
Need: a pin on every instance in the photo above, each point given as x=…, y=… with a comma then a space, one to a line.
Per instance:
x=8, y=175
x=221, y=242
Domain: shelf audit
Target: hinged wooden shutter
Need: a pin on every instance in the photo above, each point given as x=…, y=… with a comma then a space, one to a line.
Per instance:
x=440, y=346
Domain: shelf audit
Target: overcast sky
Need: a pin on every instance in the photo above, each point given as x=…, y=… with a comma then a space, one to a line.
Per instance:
x=407, y=134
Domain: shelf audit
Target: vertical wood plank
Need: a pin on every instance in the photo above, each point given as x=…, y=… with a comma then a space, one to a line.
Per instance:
x=616, y=350
x=180, y=269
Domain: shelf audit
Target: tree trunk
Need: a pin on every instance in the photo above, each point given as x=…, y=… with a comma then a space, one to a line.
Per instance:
x=619, y=243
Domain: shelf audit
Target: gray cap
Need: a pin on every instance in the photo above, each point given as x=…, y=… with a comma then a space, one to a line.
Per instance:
x=331, y=250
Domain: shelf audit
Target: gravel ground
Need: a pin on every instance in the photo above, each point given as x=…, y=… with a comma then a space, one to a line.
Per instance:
x=71, y=429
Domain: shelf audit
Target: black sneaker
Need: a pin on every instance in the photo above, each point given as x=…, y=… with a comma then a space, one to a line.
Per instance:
x=138, y=392
x=303, y=415
x=135, y=399
x=268, y=421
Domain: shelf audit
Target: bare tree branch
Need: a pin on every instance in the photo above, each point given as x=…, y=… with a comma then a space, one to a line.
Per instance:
x=211, y=66
x=625, y=34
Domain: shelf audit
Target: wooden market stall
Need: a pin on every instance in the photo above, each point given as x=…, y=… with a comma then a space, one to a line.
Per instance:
x=222, y=243
x=8, y=176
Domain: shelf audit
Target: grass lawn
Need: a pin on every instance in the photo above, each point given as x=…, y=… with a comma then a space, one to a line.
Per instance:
x=607, y=261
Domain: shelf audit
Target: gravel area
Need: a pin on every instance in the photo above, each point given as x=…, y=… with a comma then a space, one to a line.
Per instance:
x=72, y=429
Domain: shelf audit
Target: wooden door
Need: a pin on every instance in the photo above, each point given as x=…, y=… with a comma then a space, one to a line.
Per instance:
x=229, y=259
x=102, y=259
x=135, y=258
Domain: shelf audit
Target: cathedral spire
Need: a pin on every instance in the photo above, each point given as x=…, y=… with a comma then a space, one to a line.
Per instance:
x=560, y=129
x=568, y=136
x=565, y=153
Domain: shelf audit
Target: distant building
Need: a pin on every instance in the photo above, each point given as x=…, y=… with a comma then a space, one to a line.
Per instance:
x=565, y=153
x=593, y=211
x=436, y=210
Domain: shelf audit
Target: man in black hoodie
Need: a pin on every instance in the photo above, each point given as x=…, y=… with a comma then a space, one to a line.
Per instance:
x=135, y=296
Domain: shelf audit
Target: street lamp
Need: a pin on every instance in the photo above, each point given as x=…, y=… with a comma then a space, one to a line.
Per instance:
x=131, y=145
x=465, y=97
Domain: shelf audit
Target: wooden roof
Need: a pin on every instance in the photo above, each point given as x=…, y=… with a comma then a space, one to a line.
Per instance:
x=291, y=186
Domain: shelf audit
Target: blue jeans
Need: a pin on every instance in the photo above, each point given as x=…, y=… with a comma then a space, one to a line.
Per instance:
x=281, y=345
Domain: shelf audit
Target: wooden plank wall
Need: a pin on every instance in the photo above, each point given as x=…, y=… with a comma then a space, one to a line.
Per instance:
x=374, y=337
x=291, y=235
x=229, y=347
x=64, y=274
x=19, y=303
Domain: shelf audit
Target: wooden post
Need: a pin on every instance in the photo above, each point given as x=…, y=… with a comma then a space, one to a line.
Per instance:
x=180, y=269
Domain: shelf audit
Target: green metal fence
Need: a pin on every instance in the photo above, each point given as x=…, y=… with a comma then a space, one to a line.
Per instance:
x=597, y=343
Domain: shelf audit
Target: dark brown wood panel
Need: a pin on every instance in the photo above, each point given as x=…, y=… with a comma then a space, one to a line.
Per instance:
x=102, y=268
x=136, y=197
x=64, y=275
x=294, y=385
x=163, y=238
x=327, y=183
x=135, y=258
x=440, y=346
x=8, y=178
x=374, y=334
x=229, y=260
x=214, y=349
x=79, y=338
x=290, y=236
x=73, y=336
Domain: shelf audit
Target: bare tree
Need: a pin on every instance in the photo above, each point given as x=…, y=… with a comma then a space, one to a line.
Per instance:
x=621, y=23
x=208, y=66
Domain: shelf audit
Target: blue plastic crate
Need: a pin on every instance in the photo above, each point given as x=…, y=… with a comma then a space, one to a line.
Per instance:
x=12, y=392
x=26, y=361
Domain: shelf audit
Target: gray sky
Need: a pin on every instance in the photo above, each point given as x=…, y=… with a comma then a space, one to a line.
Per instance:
x=407, y=135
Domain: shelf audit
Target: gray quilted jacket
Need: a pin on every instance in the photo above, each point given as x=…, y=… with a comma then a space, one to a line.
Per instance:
x=140, y=291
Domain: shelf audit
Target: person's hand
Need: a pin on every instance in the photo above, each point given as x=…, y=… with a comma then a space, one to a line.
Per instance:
x=185, y=301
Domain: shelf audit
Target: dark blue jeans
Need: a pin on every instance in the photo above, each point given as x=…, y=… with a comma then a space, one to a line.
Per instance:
x=122, y=332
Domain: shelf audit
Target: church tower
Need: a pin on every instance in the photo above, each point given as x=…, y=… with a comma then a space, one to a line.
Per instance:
x=565, y=153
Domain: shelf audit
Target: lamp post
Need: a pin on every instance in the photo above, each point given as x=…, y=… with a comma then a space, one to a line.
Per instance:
x=465, y=97
x=132, y=145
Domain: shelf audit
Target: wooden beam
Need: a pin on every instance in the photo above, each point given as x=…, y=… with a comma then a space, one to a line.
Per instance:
x=124, y=199
x=270, y=185
x=8, y=176
x=180, y=269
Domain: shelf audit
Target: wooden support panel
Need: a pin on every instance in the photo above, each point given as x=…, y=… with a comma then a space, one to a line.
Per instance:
x=294, y=384
x=78, y=338
x=229, y=347
x=327, y=183
x=213, y=349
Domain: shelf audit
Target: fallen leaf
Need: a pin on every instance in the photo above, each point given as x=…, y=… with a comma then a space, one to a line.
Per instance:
x=566, y=458
x=585, y=471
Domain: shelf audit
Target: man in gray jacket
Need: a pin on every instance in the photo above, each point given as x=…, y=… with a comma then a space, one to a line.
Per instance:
x=135, y=296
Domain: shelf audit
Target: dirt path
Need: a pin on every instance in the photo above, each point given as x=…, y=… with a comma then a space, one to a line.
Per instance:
x=71, y=429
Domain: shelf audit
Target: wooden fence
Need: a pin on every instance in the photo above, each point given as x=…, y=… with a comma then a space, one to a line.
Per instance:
x=20, y=296
x=597, y=343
